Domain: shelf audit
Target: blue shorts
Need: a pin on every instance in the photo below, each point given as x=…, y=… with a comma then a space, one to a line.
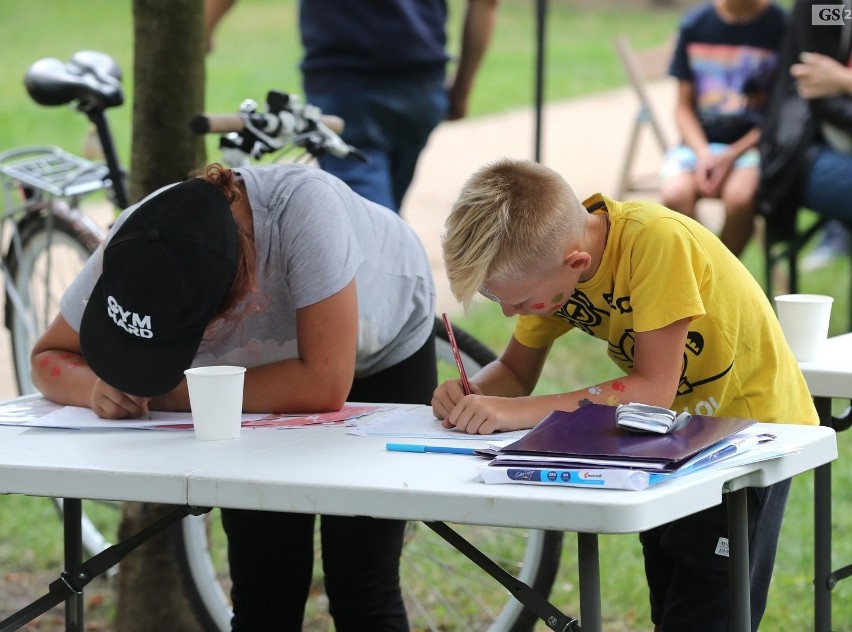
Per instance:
x=682, y=159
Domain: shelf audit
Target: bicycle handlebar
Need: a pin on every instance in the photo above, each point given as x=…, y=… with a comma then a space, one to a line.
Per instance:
x=286, y=122
x=226, y=123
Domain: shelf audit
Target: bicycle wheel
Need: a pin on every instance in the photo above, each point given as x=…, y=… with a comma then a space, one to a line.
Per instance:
x=43, y=258
x=443, y=590
x=446, y=591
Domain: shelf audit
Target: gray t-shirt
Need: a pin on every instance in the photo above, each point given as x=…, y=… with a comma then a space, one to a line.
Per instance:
x=313, y=234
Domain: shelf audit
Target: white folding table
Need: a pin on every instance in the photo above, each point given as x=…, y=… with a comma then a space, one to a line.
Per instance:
x=828, y=376
x=325, y=470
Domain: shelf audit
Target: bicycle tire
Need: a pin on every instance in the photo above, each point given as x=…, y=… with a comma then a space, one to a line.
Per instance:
x=50, y=248
x=431, y=604
x=52, y=243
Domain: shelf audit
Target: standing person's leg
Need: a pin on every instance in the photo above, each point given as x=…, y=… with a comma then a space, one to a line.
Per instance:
x=271, y=557
x=391, y=126
x=687, y=567
x=364, y=129
x=361, y=554
x=412, y=114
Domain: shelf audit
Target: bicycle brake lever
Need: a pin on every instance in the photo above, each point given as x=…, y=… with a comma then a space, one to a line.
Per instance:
x=357, y=153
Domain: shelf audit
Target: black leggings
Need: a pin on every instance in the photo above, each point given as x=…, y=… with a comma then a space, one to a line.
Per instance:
x=271, y=553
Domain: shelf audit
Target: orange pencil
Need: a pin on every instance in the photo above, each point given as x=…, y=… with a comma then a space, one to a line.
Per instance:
x=454, y=346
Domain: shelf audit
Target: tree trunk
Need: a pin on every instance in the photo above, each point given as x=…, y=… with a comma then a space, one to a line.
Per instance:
x=168, y=92
x=151, y=595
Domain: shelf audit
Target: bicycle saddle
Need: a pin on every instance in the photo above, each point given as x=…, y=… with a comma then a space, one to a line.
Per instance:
x=91, y=78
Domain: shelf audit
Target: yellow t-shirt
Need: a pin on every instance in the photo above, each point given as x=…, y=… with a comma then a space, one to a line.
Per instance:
x=660, y=266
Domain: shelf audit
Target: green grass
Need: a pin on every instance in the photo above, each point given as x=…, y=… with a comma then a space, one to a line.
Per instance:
x=257, y=49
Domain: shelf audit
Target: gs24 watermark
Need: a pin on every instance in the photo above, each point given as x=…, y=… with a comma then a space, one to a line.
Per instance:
x=830, y=14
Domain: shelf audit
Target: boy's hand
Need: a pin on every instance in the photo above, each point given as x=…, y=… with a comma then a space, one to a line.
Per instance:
x=448, y=395
x=483, y=414
x=111, y=403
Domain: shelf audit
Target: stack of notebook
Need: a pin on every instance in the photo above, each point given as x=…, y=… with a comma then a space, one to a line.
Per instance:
x=587, y=448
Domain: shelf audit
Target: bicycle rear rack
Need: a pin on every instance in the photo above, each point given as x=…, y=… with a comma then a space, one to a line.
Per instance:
x=54, y=171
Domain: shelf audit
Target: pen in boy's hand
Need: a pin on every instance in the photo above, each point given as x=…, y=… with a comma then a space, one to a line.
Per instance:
x=454, y=346
x=145, y=410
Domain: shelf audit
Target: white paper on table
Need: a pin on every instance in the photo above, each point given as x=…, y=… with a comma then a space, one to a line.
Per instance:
x=79, y=418
x=419, y=422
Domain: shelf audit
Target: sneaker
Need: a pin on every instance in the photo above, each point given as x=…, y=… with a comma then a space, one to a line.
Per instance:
x=833, y=243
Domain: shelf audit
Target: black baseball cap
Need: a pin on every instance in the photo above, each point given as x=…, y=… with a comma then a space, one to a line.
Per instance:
x=166, y=273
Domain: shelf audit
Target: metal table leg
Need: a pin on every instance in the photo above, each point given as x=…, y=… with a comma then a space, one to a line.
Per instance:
x=590, y=582
x=738, y=560
x=822, y=531
x=72, y=515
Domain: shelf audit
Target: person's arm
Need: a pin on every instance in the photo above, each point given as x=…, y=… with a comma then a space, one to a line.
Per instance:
x=476, y=35
x=657, y=365
x=319, y=380
x=513, y=374
x=213, y=12
x=61, y=374
x=818, y=76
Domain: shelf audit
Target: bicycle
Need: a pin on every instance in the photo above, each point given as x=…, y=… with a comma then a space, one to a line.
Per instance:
x=48, y=221
x=48, y=234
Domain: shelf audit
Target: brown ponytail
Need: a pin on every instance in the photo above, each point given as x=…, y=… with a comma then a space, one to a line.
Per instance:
x=244, y=287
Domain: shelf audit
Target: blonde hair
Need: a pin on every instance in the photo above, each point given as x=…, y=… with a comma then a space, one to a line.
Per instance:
x=513, y=218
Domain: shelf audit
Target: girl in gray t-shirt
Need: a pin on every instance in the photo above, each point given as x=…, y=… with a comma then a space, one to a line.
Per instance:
x=324, y=296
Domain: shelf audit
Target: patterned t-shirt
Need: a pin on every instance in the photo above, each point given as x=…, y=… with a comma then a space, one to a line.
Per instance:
x=731, y=67
x=659, y=267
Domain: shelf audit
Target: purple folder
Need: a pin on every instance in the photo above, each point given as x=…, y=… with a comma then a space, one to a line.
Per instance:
x=591, y=432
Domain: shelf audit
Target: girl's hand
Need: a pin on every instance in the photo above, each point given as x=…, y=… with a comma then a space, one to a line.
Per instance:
x=111, y=403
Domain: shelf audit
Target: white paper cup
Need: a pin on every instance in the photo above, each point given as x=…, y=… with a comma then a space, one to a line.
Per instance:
x=804, y=319
x=216, y=399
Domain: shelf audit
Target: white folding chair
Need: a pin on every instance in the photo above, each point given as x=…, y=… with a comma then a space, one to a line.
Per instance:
x=642, y=67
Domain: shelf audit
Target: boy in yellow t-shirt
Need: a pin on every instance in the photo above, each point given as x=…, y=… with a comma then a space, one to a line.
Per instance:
x=683, y=318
